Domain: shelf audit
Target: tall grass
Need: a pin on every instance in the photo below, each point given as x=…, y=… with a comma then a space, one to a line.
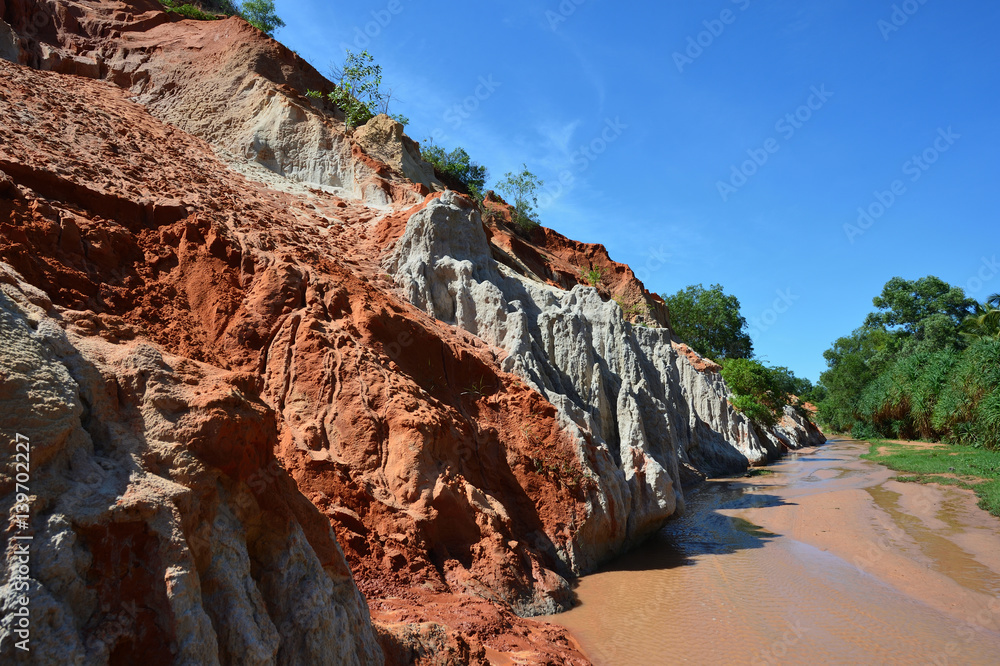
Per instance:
x=900, y=402
x=968, y=410
x=948, y=395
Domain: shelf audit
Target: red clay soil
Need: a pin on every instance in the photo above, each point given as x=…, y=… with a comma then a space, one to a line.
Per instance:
x=699, y=362
x=552, y=258
x=441, y=475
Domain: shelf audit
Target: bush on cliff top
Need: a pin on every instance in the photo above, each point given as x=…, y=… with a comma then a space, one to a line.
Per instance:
x=261, y=15
x=522, y=188
x=710, y=322
x=758, y=391
x=456, y=169
x=187, y=10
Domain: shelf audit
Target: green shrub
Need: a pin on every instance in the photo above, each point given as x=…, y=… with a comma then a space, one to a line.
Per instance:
x=900, y=402
x=593, y=276
x=522, y=188
x=950, y=395
x=492, y=213
x=637, y=309
x=187, y=10
x=456, y=169
x=754, y=410
x=757, y=390
x=261, y=15
x=258, y=13
x=358, y=90
x=968, y=409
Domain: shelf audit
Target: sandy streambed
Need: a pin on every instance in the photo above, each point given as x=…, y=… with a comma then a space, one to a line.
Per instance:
x=827, y=560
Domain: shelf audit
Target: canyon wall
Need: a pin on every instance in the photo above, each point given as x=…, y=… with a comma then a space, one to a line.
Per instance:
x=268, y=367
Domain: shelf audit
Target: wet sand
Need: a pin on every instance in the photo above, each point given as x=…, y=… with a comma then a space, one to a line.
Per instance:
x=827, y=560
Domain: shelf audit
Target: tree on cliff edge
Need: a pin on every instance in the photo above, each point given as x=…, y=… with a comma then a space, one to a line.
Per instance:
x=709, y=321
x=262, y=15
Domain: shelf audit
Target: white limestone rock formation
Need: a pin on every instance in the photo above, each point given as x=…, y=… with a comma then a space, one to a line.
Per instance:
x=159, y=520
x=639, y=409
x=383, y=138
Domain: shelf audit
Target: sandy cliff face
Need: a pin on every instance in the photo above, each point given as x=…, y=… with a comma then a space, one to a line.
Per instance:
x=164, y=528
x=636, y=404
x=237, y=364
x=223, y=83
x=442, y=475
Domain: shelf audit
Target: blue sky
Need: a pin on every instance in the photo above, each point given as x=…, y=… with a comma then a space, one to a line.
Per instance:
x=724, y=141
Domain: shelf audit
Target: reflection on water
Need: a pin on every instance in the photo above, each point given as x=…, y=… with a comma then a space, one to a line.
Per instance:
x=713, y=587
x=941, y=554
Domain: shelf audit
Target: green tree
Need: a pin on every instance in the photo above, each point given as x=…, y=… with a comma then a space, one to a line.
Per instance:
x=710, y=322
x=456, y=169
x=261, y=15
x=853, y=362
x=758, y=391
x=792, y=385
x=984, y=322
x=923, y=315
x=358, y=88
x=522, y=188
x=881, y=379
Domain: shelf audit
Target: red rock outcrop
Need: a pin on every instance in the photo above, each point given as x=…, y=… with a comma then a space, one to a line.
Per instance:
x=201, y=248
x=439, y=473
x=550, y=257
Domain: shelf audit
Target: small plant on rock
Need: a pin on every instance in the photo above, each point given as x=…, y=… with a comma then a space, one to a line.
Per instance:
x=261, y=15
x=492, y=213
x=187, y=10
x=357, y=91
x=637, y=309
x=522, y=188
x=593, y=276
x=456, y=169
x=476, y=389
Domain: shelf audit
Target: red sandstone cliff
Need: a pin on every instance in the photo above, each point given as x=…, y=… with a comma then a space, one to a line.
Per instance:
x=254, y=423
x=437, y=471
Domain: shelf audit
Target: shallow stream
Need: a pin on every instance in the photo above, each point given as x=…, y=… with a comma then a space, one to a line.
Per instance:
x=824, y=560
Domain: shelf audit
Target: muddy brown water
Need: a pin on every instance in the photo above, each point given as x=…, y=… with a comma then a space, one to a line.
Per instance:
x=826, y=561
